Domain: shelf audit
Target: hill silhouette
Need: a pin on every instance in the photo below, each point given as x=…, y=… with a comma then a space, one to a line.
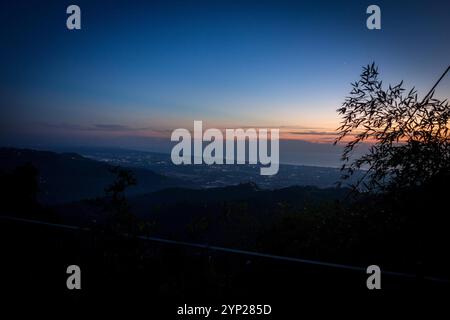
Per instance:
x=66, y=177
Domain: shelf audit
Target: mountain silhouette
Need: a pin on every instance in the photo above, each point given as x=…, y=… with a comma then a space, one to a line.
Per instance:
x=67, y=177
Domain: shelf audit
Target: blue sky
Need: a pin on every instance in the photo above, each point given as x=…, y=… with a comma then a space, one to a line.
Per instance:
x=138, y=70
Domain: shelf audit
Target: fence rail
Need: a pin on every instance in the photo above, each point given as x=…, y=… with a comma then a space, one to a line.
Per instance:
x=237, y=251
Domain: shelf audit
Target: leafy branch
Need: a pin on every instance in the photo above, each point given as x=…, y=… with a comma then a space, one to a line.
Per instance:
x=408, y=139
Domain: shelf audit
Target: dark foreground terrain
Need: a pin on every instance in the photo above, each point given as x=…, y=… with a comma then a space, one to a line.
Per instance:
x=294, y=248
x=126, y=273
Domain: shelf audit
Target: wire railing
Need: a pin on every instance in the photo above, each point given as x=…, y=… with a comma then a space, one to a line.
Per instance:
x=237, y=251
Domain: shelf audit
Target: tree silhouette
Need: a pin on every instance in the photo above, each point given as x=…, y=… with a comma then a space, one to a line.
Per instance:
x=122, y=218
x=408, y=139
x=18, y=189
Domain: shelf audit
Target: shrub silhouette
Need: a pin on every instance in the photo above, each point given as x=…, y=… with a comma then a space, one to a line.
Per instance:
x=410, y=141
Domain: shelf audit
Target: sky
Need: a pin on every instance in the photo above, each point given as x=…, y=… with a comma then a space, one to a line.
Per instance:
x=138, y=70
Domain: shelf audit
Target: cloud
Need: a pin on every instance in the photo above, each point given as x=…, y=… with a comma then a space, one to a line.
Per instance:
x=114, y=127
x=96, y=127
x=319, y=133
x=105, y=129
